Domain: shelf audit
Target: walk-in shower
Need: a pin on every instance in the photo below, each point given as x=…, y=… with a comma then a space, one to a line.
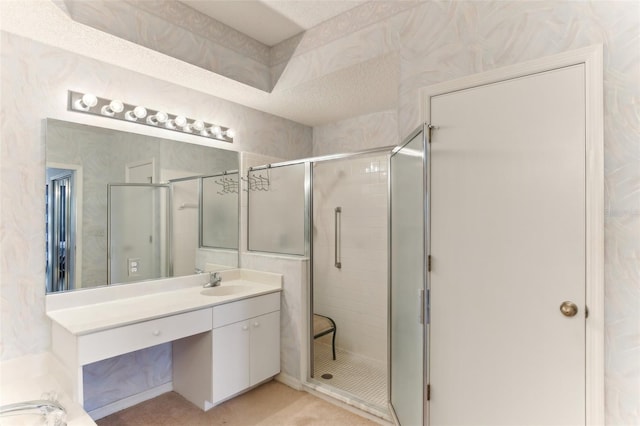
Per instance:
x=350, y=278
x=334, y=210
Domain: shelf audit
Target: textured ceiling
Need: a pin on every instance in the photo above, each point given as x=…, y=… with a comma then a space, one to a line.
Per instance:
x=361, y=88
x=271, y=21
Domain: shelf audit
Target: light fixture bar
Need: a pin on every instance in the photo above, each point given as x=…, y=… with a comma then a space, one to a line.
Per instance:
x=88, y=103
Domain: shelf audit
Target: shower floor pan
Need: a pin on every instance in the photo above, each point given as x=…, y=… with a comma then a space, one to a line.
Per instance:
x=364, y=378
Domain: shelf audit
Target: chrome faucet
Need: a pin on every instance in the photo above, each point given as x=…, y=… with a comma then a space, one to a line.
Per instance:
x=45, y=407
x=214, y=280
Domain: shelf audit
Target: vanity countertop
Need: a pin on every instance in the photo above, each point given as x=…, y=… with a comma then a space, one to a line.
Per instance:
x=120, y=311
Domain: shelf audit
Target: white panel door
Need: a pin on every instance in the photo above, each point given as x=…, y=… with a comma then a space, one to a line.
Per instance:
x=508, y=247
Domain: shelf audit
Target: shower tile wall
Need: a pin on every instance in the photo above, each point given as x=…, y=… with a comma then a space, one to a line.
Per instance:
x=355, y=296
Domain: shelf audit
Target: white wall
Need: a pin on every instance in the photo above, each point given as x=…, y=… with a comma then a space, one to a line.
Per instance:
x=357, y=134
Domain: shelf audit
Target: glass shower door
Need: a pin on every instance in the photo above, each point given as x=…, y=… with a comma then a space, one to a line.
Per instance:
x=408, y=313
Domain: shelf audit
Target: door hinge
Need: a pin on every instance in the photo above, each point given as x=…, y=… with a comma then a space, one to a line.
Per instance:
x=430, y=128
x=429, y=263
x=428, y=392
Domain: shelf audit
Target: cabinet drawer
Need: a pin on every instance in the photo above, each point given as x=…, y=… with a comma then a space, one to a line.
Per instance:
x=247, y=308
x=117, y=341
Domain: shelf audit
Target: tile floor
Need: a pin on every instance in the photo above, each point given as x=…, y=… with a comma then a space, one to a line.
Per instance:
x=364, y=378
x=272, y=404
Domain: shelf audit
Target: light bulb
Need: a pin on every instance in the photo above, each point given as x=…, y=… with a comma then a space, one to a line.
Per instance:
x=230, y=133
x=196, y=126
x=216, y=131
x=179, y=122
x=158, y=118
x=86, y=102
x=114, y=107
x=136, y=113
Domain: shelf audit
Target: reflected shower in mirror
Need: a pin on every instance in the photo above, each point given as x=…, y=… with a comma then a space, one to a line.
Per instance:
x=218, y=198
x=124, y=207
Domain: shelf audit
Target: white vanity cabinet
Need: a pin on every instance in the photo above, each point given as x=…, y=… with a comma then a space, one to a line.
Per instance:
x=242, y=350
x=225, y=340
x=244, y=354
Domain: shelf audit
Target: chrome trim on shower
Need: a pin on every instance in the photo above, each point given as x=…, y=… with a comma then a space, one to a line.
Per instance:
x=226, y=172
x=384, y=149
x=337, y=224
x=424, y=314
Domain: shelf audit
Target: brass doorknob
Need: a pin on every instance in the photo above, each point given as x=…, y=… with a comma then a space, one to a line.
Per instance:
x=568, y=309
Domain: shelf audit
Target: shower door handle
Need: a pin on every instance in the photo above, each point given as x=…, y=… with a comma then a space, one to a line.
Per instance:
x=337, y=220
x=421, y=306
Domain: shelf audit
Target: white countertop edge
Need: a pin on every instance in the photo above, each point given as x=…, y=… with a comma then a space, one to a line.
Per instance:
x=61, y=317
x=88, y=296
x=90, y=311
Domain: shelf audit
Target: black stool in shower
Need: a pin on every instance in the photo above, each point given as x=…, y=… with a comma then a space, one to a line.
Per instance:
x=323, y=325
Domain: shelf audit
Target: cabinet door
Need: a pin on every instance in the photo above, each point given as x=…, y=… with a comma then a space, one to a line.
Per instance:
x=265, y=347
x=230, y=359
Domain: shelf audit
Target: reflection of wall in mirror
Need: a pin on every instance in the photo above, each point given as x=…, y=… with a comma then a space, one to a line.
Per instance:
x=136, y=233
x=184, y=217
x=90, y=151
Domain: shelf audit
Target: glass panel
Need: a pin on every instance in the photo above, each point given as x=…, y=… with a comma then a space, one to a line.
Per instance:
x=220, y=211
x=185, y=208
x=350, y=278
x=276, y=209
x=137, y=232
x=407, y=281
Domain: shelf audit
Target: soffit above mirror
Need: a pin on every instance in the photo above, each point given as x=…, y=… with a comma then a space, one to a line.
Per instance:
x=271, y=22
x=318, y=76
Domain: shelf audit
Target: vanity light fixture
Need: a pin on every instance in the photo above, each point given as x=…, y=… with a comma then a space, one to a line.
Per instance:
x=88, y=103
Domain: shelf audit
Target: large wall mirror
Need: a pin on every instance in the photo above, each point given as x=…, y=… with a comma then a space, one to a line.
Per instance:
x=123, y=207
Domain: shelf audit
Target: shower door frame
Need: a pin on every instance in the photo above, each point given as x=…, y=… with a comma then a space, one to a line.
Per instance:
x=387, y=151
x=425, y=130
x=307, y=360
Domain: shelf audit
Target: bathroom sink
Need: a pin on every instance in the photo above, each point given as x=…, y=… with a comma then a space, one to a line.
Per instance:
x=224, y=290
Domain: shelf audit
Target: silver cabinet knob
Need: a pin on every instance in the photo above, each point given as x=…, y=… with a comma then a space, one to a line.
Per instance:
x=568, y=309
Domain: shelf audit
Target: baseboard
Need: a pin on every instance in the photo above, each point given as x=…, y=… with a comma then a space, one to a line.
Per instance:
x=288, y=380
x=130, y=401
